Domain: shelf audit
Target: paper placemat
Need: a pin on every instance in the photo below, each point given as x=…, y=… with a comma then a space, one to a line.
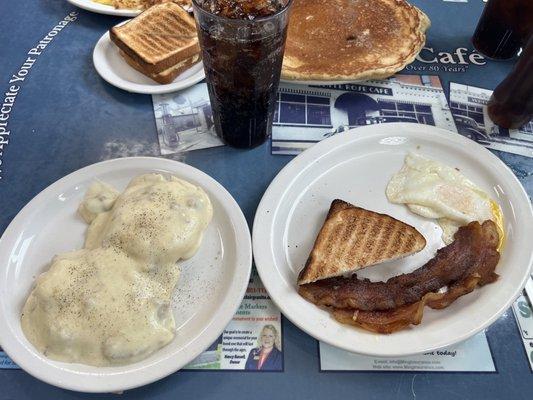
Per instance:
x=472, y=355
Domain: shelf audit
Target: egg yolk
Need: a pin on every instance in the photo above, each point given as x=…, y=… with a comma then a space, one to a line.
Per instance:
x=498, y=220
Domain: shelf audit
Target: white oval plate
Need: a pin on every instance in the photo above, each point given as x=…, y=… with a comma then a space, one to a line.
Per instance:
x=356, y=166
x=99, y=8
x=114, y=70
x=209, y=291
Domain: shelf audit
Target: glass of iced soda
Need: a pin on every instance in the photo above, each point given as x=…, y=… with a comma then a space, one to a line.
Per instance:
x=242, y=44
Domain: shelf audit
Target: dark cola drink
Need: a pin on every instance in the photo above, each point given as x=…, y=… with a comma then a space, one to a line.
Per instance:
x=511, y=103
x=503, y=28
x=242, y=45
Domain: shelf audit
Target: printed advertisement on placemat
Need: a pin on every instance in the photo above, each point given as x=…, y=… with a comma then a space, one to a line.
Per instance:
x=307, y=114
x=472, y=355
x=252, y=340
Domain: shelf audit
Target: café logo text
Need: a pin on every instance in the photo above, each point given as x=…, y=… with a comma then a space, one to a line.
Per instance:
x=457, y=60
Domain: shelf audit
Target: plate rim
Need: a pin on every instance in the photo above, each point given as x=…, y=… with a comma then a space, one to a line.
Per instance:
x=134, y=376
x=304, y=82
x=89, y=5
x=101, y=67
x=262, y=225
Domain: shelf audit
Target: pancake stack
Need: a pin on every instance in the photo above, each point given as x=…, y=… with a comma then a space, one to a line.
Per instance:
x=352, y=39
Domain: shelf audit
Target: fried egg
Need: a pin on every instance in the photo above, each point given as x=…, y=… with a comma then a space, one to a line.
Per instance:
x=437, y=191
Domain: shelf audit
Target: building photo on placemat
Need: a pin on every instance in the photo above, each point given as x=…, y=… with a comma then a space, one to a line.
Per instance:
x=468, y=105
x=307, y=114
x=185, y=121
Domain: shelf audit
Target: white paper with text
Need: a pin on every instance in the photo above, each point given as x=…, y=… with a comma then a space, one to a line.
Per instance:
x=472, y=355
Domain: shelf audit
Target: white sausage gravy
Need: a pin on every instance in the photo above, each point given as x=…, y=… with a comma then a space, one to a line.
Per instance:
x=109, y=303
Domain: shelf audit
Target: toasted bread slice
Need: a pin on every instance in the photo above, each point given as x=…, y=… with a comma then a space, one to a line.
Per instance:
x=158, y=38
x=352, y=40
x=166, y=76
x=353, y=238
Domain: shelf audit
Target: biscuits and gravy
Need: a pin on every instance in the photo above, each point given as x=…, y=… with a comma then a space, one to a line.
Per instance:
x=110, y=302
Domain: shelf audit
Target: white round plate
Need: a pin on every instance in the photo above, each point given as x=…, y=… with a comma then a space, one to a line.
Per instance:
x=356, y=166
x=210, y=289
x=99, y=8
x=113, y=69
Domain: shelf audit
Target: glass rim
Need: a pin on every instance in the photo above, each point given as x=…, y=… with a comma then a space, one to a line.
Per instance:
x=237, y=21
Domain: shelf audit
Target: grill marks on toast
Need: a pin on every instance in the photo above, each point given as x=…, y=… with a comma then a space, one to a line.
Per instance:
x=376, y=238
x=158, y=38
x=353, y=238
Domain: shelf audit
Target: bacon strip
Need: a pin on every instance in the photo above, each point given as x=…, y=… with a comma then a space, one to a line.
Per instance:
x=472, y=253
x=394, y=320
x=387, y=307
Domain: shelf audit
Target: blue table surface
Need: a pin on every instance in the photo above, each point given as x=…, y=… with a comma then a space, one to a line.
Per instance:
x=67, y=117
